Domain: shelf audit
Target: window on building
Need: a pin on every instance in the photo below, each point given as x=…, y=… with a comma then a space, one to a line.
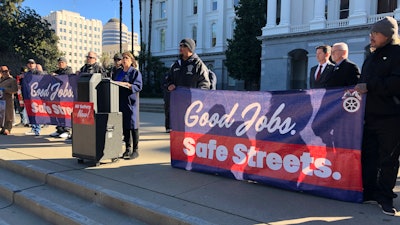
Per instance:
x=194, y=33
x=214, y=5
x=162, y=40
x=213, y=35
x=344, y=9
x=235, y=2
x=386, y=6
x=195, y=4
x=163, y=10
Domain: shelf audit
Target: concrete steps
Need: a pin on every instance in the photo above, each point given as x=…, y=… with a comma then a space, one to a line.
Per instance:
x=75, y=197
x=53, y=205
x=151, y=107
x=19, y=216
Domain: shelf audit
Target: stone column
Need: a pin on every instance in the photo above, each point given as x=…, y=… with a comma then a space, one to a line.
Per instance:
x=358, y=16
x=201, y=11
x=397, y=11
x=285, y=13
x=271, y=14
x=318, y=21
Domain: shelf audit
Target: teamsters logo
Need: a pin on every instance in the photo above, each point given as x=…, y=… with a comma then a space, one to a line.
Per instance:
x=351, y=100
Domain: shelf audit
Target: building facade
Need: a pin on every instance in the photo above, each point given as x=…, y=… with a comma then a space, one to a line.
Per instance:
x=111, y=36
x=295, y=27
x=77, y=36
x=209, y=22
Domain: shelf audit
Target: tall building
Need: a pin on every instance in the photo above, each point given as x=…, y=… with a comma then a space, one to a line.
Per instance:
x=208, y=22
x=295, y=28
x=77, y=36
x=111, y=36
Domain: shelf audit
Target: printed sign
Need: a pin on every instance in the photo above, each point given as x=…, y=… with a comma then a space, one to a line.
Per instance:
x=83, y=113
x=308, y=141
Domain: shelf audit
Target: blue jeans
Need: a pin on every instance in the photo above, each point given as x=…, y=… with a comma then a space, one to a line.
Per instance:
x=36, y=128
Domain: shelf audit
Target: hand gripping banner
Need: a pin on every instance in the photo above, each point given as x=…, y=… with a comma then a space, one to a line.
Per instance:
x=308, y=141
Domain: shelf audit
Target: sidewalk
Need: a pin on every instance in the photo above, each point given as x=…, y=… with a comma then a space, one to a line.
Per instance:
x=192, y=197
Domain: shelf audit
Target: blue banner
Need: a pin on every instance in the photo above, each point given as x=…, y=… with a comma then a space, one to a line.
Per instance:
x=307, y=141
x=49, y=99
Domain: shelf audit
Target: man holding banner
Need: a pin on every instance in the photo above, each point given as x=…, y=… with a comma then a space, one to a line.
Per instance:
x=189, y=70
x=380, y=79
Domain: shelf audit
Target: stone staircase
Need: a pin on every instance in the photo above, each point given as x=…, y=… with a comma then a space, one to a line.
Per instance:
x=41, y=196
x=151, y=105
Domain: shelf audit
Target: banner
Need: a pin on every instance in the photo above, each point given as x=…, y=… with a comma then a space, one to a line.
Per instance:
x=308, y=141
x=49, y=99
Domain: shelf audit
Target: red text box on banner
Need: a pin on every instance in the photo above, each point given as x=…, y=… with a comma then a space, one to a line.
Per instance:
x=83, y=113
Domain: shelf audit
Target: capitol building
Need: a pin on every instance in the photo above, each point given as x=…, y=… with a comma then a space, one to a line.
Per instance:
x=292, y=31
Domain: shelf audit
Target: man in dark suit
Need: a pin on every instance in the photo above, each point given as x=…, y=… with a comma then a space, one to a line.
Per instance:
x=320, y=72
x=346, y=72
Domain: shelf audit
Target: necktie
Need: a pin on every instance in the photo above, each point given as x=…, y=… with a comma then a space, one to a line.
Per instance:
x=319, y=73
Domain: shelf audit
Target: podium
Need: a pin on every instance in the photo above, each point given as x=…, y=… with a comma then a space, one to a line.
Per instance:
x=101, y=140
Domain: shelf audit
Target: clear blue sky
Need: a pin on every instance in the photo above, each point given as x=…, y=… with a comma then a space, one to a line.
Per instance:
x=90, y=9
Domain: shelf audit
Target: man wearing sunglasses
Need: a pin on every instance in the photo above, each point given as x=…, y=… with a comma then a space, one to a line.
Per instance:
x=92, y=66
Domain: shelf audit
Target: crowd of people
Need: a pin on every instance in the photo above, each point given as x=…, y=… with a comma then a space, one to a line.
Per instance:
x=379, y=79
x=124, y=72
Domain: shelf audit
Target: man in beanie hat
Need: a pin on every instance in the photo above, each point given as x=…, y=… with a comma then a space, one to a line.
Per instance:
x=189, y=70
x=380, y=79
x=117, y=65
x=63, y=69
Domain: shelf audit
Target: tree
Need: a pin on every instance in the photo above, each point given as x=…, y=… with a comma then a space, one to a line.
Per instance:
x=25, y=35
x=244, y=50
x=155, y=71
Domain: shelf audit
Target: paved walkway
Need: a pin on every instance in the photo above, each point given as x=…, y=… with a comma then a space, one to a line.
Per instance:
x=197, y=197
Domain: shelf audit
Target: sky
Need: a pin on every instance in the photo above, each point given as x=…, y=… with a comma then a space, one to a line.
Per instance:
x=102, y=10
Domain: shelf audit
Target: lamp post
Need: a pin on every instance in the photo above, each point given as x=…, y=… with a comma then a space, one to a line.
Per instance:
x=133, y=34
x=120, y=26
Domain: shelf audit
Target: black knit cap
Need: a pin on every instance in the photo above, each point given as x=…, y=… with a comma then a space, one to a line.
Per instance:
x=386, y=26
x=188, y=42
x=118, y=56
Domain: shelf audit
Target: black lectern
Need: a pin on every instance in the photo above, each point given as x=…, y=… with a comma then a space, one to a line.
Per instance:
x=102, y=140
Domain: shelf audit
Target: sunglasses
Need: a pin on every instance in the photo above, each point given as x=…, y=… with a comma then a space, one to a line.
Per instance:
x=182, y=46
x=90, y=57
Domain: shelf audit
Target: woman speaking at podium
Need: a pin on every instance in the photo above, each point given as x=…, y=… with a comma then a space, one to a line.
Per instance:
x=130, y=79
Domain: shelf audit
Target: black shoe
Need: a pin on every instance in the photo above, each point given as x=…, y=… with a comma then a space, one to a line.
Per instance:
x=370, y=199
x=126, y=154
x=134, y=155
x=386, y=205
x=388, y=209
